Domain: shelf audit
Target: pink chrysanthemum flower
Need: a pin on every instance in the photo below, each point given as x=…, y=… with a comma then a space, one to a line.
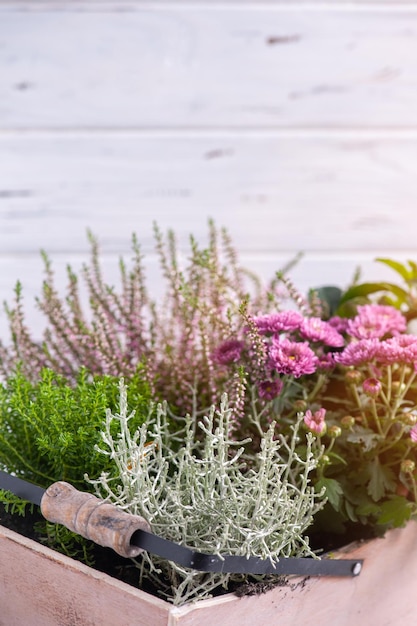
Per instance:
x=270, y=389
x=228, y=352
x=376, y=321
x=399, y=349
x=316, y=421
x=358, y=352
x=292, y=357
x=372, y=387
x=316, y=329
x=325, y=361
x=339, y=323
x=275, y=323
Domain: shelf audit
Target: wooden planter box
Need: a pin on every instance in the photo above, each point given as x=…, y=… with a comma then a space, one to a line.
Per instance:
x=39, y=587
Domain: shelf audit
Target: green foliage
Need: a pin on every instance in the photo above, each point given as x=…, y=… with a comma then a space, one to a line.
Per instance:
x=200, y=343
x=209, y=494
x=404, y=298
x=49, y=429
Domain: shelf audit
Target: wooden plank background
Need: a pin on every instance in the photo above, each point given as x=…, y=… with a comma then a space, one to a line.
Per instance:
x=292, y=124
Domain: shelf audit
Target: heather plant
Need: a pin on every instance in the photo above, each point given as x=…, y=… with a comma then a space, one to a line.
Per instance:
x=203, y=489
x=173, y=339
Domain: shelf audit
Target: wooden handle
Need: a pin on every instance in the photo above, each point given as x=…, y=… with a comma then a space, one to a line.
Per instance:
x=92, y=518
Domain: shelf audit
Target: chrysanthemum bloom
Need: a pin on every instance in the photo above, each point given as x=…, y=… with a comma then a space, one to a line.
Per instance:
x=372, y=387
x=270, y=389
x=339, y=323
x=316, y=421
x=325, y=361
x=292, y=357
x=228, y=352
x=275, y=323
x=399, y=349
x=376, y=321
x=359, y=352
x=316, y=329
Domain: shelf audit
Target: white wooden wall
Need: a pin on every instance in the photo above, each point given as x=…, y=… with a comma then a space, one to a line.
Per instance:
x=292, y=124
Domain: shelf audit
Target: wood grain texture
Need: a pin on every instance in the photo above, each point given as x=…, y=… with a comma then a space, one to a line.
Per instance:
x=115, y=114
x=43, y=588
x=343, y=192
x=186, y=66
x=39, y=587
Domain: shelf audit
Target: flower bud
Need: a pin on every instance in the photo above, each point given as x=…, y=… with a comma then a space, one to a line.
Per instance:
x=397, y=387
x=409, y=418
x=408, y=466
x=372, y=387
x=300, y=406
x=353, y=377
x=334, y=431
x=347, y=422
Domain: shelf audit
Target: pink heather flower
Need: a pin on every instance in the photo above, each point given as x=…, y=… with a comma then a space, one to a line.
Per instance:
x=292, y=357
x=316, y=329
x=413, y=434
x=270, y=389
x=228, y=352
x=376, y=321
x=358, y=352
x=315, y=421
x=372, y=387
x=399, y=349
x=275, y=323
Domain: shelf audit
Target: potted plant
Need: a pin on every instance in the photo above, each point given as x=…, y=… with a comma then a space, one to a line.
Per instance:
x=239, y=419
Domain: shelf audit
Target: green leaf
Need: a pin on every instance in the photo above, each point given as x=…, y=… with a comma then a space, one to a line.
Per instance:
x=413, y=267
x=382, y=479
x=365, y=289
x=400, y=268
x=350, y=511
x=336, y=458
x=368, y=509
x=333, y=488
x=330, y=295
x=395, y=512
x=364, y=437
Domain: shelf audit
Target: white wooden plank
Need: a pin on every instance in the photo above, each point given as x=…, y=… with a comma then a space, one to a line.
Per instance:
x=313, y=270
x=277, y=193
x=113, y=4
x=253, y=65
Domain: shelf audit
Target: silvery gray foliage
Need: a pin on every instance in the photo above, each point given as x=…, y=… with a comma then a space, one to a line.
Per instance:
x=202, y=489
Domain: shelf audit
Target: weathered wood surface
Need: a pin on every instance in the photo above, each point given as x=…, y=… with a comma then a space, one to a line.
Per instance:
x=274, y=192
x=43, y=588
x=187, y=66
x=292, y=124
